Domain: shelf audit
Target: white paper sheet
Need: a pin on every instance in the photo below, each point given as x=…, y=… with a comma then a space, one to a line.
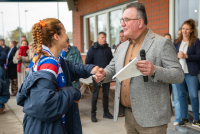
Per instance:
x=130, y=70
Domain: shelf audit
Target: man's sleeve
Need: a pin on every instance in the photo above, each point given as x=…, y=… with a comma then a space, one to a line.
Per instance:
x=170, y=70
x=110, y=71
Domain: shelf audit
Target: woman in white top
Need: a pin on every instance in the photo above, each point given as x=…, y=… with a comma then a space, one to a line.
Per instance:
x=188, y=51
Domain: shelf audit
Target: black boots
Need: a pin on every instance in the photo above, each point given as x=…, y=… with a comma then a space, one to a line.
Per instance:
x=93, y=118
x=108, y=115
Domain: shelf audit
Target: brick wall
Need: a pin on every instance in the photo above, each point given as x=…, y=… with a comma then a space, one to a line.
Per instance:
x=157, y=14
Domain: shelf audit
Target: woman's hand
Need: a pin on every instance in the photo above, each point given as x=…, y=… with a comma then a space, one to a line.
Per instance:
x=19, y=57
x=181, y=55
x=95, y=70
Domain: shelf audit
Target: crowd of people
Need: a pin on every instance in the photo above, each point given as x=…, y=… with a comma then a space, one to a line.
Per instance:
x=44, y=75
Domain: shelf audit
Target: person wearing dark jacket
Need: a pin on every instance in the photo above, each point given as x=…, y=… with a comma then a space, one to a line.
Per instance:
x=46, y=94
x=188, y=51
x=4, y=95
x=2, y=62
x=7, y=49
x=73, y=54
x=12, y=68
x=100, y=54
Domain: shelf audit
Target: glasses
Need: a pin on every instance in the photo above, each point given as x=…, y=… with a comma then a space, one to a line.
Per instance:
x=126, y=20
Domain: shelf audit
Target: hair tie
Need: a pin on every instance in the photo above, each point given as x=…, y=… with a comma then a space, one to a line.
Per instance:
x=42, y=23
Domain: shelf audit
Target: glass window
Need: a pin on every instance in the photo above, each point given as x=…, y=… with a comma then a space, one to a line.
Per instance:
x=184, y=10
x=101, y=23
x=115, y=27
x=90, y=31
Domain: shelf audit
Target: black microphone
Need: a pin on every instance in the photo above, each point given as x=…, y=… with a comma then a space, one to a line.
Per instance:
x=143, y=57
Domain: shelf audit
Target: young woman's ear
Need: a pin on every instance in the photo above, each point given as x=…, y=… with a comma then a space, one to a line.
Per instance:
x=55, y=36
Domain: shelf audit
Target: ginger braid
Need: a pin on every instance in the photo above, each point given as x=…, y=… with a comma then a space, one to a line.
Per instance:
x=37, y=41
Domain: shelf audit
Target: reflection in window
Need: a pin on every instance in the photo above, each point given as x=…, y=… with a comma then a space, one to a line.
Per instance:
x=102, y=21
x=90, y=31
x=184, y=10
x=115, y=27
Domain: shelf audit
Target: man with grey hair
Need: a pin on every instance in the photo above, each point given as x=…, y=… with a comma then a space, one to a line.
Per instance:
x=146, y=104
x=100, y=54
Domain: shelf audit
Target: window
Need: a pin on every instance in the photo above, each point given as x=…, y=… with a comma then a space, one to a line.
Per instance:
x=184, y=10
x=107, y=21
x=115, y=27
x=90, y=31
x=102, y=20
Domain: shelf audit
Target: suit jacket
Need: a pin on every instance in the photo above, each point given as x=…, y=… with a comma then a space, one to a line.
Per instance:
x=12, y=68
x=150, y=101
x=193, y=59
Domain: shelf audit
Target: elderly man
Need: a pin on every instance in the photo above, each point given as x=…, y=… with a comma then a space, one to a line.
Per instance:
x=146, y=104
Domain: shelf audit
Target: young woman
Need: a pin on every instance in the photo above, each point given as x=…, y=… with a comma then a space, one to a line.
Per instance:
x=47, y=92
x=188, y=51
x=22, y=59
x=12, y=68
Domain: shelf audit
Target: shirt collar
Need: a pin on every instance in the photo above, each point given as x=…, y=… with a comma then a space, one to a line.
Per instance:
x=140, y=38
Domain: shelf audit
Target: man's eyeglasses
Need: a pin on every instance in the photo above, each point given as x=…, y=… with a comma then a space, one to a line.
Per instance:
x=126, y=20
x=68, y=40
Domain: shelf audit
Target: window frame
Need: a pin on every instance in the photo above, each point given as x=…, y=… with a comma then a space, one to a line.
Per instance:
x=107, y=12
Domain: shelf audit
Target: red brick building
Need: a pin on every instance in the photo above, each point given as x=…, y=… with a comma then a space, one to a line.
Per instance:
x=93, y=16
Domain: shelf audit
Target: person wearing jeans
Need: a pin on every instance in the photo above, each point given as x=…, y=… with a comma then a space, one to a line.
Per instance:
x=188, y=51
x=177, y=106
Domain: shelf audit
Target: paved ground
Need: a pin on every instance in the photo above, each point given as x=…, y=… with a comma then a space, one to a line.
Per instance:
x=12, y=118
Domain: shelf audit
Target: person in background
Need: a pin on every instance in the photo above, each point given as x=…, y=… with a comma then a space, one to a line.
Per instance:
x=2, y=62
x=73, y=54
x=47, y=93
x=4, y=95
x=23, y=38
x=188, y=51
x=12, y=68
x=100, y=54
x=33, y=56
x=168, y=36
x=6, y=48
x=22, y=59
x=122, y=39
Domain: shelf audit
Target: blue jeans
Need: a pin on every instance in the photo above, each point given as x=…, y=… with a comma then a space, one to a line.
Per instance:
x=2, y=73
x=192, y=84
x=177, y=107
x=2, y=101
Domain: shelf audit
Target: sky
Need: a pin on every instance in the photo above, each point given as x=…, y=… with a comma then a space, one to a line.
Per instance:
x=36, y=11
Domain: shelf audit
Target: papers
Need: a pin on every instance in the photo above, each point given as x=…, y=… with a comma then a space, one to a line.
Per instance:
x=130, y=70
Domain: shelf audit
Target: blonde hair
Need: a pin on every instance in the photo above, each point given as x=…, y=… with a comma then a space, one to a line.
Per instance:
x=42, y=34
x=31, y=53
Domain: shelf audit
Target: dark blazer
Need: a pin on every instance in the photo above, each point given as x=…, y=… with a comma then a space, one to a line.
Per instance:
x=193, y=59
x=99, y=55
x=12, y=68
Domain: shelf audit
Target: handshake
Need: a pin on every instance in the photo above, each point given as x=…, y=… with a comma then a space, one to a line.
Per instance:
x=99, y=74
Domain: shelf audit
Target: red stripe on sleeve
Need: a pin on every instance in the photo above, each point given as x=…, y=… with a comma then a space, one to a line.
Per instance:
x=48, y=66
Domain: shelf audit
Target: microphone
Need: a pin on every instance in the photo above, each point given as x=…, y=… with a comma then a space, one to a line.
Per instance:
x=143, y=57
